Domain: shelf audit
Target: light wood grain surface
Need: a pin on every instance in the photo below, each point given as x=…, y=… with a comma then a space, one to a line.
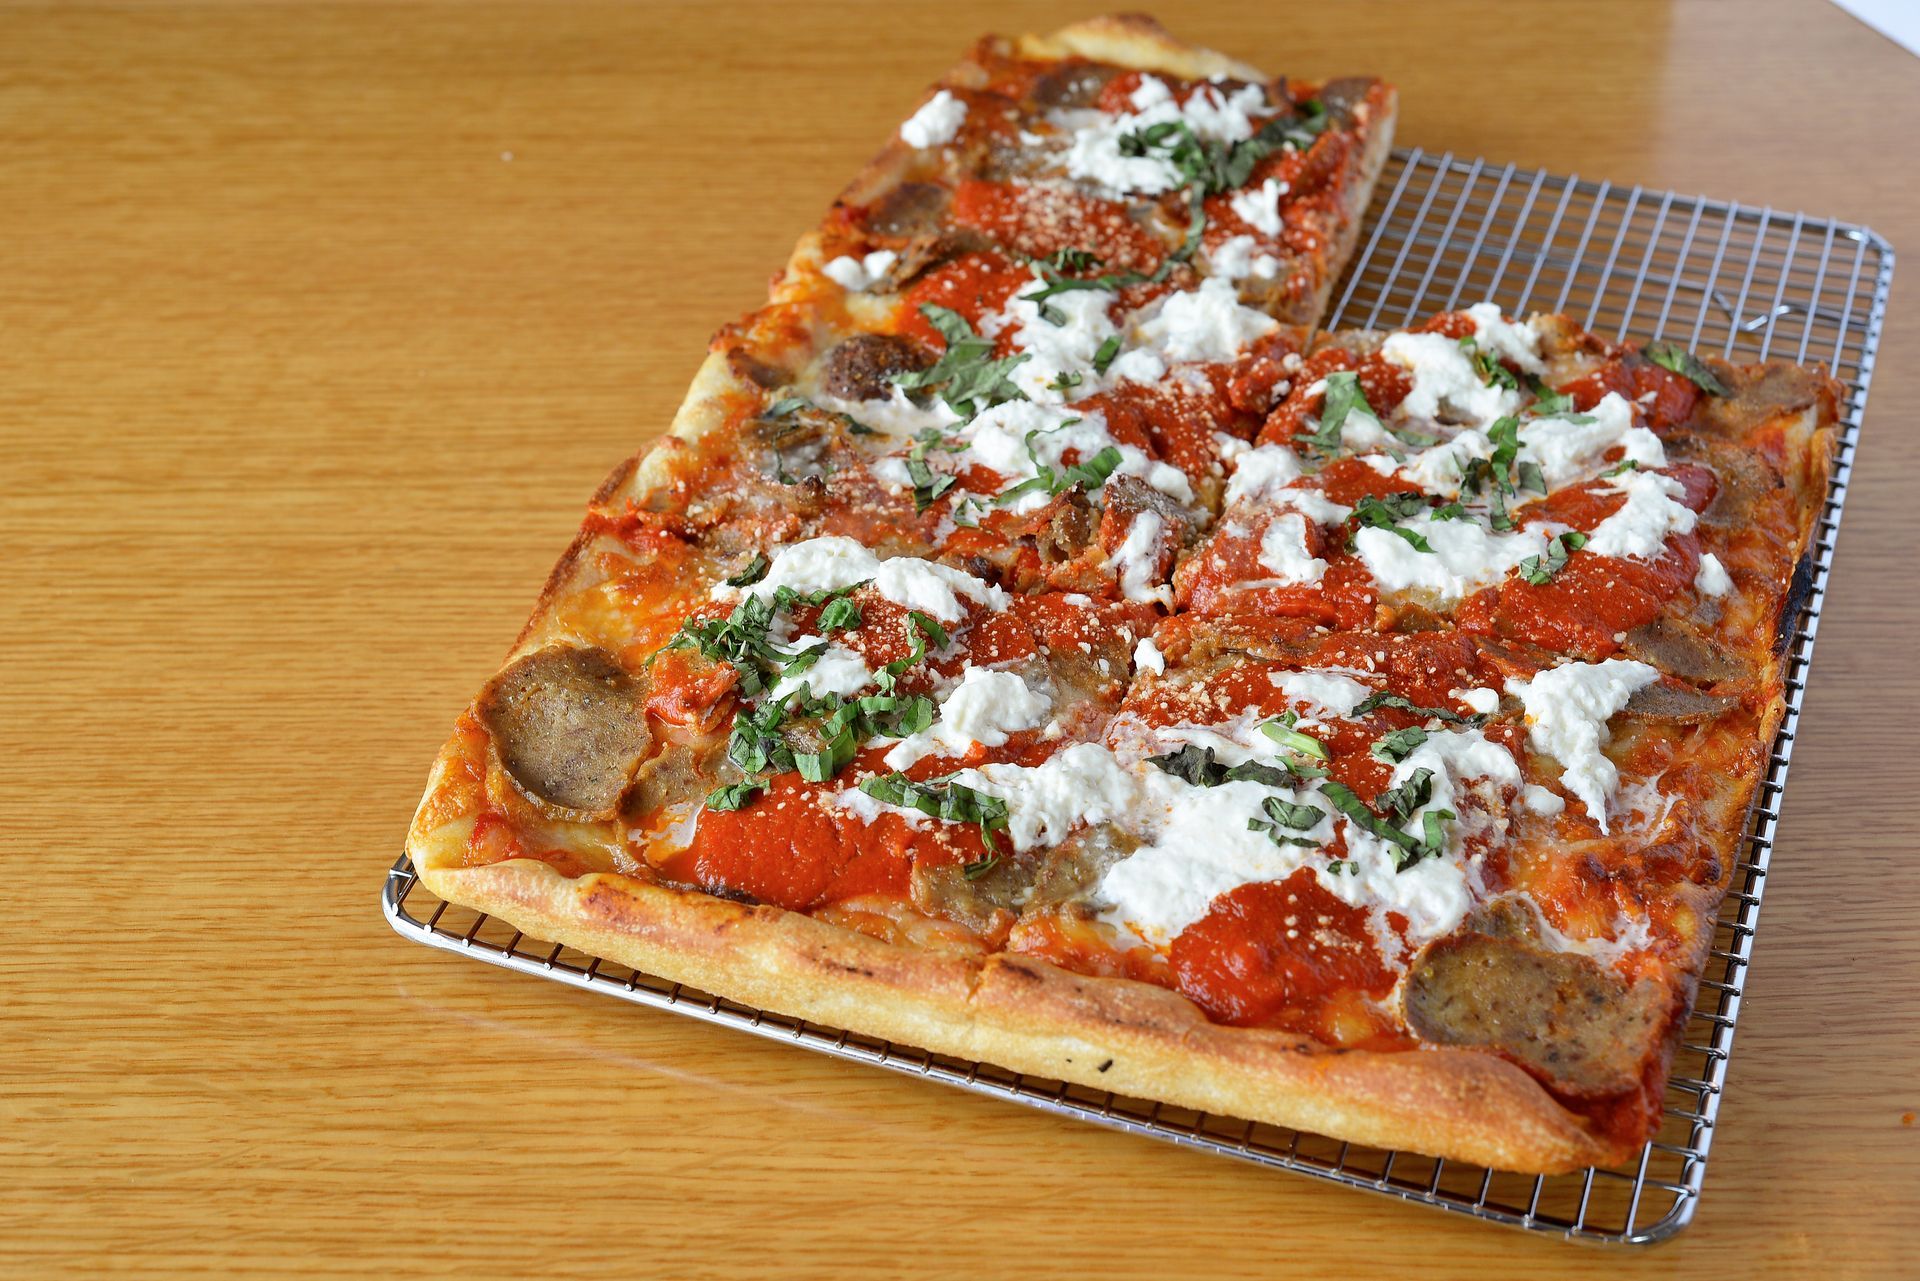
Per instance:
x=317, y=326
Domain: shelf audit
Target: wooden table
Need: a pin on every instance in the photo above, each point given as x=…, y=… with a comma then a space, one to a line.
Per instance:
x=317, y=325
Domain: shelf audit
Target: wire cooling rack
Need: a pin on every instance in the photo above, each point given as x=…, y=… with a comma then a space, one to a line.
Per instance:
x=1443, y=232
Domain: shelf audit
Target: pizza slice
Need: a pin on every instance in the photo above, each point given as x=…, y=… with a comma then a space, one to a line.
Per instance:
x=1020, y=646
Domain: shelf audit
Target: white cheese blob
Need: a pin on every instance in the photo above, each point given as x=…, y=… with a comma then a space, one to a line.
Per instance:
x=1519, y=344
x=1284, y=552
x=984, y=708
x=1653, y=512
x=854, y=274
x=1236, y=258
x=897, y=415
x=1148, y=658
x=1323, y=693
x=1713, y=579
x=1466, y=556
x=1094, y=152
x=1481, y=699
x=1259, y=207
x=1567, y=711
x=1135, y=563
x=836, y=673
x=1207, y=323
x=1567, y=451
x=1056, y=349
x=834, y=562
x=1311, y=503
x=936, y=123
x=1446, y=386
x=999, y=438
x=1260, y=471
x=1077, y=785
x=1359, y=430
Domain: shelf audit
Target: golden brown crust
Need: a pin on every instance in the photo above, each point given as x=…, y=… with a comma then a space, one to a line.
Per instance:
x=1113, y=1034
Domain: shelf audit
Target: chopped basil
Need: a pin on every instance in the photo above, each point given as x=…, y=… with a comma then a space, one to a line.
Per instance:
x=1104, y=355
x=740, y=639
x=941, y=798
x=1399, y=745
x=1196, y=765
x=1065, y=381
x=1403, y=800
x=980, y=867
x=1090, y=473
x=1674, y=357
x=1539, y=570
x=920, y=630
x=790, y=404
x=1488, y=366
x=968, y=376
x=734, y=795
x=1343, y=396
x=1620, y=468
x=928, y=484
x=1343, y=866
x=1282, y=731
x=1410, y=849
x=1547, y=402
x=1382, y=513
x=840, y=615
x=1384, y=699
x=755, y=571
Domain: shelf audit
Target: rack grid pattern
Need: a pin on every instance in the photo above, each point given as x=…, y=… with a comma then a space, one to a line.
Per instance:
x=1444, y=232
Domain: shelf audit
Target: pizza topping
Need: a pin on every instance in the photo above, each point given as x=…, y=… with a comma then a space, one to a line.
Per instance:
x=1567, y=709
x=837, y=563
x=1653, y=512
x=1672, y=356
x=569, y=728
x=1713, y=579
x=855, y=274
x=864, y=367
x=982, y=710
x=936, y=123
x=1238, y=257
x=1259, y=207
x=1207, y=323
x=1134, y=151
x=1441, y=559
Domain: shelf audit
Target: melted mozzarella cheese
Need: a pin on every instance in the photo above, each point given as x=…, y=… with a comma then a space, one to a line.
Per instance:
x=1466, y=556
x=1284, y=552
x=1446, y=386
x=1568, y=450
x=1058, y=348
x=984, y=708
x=1323, y=693
x=1481, y=699
x=1080, y=784
x=1260, y=471
x=1096, y=153
x=1713, y=579
x=1517, y=343
x=836, y=673
x=1018, y=437
x=1567, y=710
x=1135, y=563
x=897, y=415
x=831, y=563
x=854, y=274
x=1235, y=259
x=1207, y=323
x=1148, y=658
x=936, y=123
x=1259, y=207
x=1652, y=513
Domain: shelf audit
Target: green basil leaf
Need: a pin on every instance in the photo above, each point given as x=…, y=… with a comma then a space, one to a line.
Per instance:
x=1373, y=702
x=734, y=795
x=1398, y=745
x=1674, y=357
x=755, y=571
x=941, y=798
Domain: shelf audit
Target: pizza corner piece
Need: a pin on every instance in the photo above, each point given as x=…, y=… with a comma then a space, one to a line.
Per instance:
x=1035, y=642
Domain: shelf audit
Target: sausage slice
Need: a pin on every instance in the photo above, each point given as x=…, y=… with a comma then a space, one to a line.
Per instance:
x=569, y=728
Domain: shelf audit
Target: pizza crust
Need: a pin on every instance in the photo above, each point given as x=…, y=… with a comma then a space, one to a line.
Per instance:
x=1111, y=1034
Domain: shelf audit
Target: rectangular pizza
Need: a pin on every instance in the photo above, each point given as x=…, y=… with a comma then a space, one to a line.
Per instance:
x=1036, y=641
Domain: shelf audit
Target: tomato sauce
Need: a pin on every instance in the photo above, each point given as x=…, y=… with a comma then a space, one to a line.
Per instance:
x=1040, y=221
x=1271, y=953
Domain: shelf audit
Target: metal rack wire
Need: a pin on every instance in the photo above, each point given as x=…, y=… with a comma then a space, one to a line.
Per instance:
x=1444, y=232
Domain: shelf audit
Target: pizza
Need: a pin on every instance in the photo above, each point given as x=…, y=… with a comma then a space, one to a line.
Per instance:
x=1036, y=641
